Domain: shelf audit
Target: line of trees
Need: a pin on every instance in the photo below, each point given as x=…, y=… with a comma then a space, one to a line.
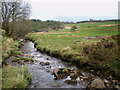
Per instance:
x=38, y=25
x=14, y=18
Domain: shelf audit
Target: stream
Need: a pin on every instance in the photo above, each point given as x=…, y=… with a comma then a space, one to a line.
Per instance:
x=42, y=76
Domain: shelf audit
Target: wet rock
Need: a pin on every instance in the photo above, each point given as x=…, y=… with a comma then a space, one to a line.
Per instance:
x=92, y=70
x=61, y=73
x=97, y=83
x=47, y=59
x=32, y=60
x=73, y=74
x=22, y=43
x=44, y=63
x=85, y=78
x=114, y=81
x=48, y=67
x=32, y=56
x=117, y=87
x=106, y=81
x=71, y=82
x=78, y=79
x=55, y=72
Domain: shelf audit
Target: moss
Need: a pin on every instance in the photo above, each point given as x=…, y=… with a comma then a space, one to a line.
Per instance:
x=6, y=54
x=65, y=70
x=16, y=53
x=40, y=48
x=15, y=59
x=13, y=77
x=115, y=68
x=54, y=53
x=47, y=50
x=22, y=58
x=26, y=58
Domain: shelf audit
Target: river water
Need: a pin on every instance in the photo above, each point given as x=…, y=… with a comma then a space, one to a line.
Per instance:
x=42, y=76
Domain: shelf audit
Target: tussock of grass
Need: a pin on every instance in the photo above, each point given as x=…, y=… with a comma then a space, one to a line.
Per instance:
x=13, y=77
x=9, y=46
x=26, y=58
x=16, y=53
x=15, y=59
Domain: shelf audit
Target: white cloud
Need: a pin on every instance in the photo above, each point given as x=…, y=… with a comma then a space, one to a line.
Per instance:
x=48, y=9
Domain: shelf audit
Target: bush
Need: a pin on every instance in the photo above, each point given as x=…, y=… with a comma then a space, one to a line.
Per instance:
x=73, y=28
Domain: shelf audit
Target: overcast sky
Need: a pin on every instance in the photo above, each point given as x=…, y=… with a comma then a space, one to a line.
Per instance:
x=73, y=10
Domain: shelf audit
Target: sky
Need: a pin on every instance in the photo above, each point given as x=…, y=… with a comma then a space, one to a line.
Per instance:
x=73, y=10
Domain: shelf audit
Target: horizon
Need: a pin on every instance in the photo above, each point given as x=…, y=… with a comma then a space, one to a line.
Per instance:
x=73, y=10
x=80, y=20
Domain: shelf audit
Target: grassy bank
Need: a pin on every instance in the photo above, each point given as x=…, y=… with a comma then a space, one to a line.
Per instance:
x=9, y=47
x=12, y=77
x=90, y=44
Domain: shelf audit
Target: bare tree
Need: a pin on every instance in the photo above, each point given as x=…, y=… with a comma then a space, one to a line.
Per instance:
x=22, y=27
x=11, y=13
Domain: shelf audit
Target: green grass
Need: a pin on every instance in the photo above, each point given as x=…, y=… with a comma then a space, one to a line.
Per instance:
x=72, y=46
x=13, y=77
x=55, y=40
x=9, y=47
x=21, y=58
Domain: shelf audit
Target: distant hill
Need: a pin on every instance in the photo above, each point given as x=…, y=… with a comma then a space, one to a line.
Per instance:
x=91, y=20
x=40, y=26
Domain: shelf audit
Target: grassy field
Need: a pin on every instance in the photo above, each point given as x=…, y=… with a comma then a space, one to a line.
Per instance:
x=90, y=43
x=57, y=40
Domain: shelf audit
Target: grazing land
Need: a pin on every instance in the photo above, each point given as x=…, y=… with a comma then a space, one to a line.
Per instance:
x=91, y=44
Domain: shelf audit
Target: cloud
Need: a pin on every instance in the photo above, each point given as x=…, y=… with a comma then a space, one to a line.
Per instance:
x=43, y=9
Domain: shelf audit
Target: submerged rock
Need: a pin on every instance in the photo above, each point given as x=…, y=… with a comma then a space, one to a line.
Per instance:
x=44, y=63
x=47, y=59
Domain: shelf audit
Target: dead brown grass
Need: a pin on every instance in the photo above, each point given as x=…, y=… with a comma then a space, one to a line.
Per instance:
x=109, y=25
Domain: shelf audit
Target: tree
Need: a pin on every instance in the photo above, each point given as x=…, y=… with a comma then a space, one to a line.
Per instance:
x=12, y=13
x=73, y=28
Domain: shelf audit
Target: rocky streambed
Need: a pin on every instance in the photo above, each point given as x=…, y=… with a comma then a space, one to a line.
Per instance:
x=49, y=72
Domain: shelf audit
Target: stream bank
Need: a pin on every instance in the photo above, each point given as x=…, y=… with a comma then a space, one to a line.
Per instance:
x=43, y=76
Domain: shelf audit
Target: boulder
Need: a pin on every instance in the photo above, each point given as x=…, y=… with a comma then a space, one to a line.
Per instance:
x=78, y=79
x=73, y=74
x=97, y=83
x=106, y=81
x=61, y=73
x=55, y=72
x=44, y=63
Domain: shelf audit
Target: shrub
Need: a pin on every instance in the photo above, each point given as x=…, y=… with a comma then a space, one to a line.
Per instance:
x=73, y=28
